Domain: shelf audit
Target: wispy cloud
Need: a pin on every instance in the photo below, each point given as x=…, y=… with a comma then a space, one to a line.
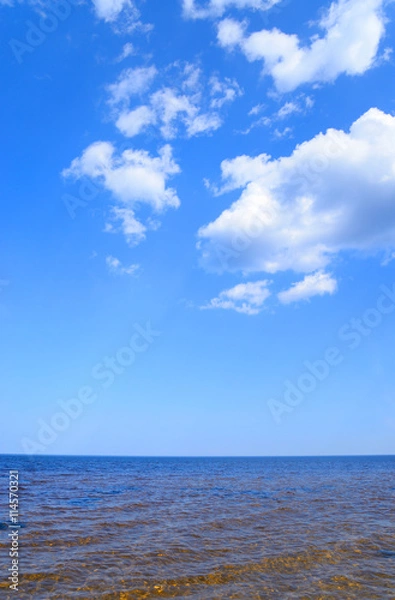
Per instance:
x=318, y=284
x=127, y=50
x=131, y=82
x=215, y=8
x=115, y=267
x=247, y=298
x=299, y=105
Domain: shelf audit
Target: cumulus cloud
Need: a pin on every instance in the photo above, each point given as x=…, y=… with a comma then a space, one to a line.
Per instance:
x=349, y=43
x=189, y=106
x=317, y=284
x=335, y=193
x=216, y=8
x=115, y=267
x=134, y=178
x=247, y=298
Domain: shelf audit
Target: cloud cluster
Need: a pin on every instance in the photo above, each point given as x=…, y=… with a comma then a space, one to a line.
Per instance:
x=349, y=43
x=335, y=193
x=188, y=106
x=250, y=298
x=247, y=298
x=216, y=8
x=134, y=178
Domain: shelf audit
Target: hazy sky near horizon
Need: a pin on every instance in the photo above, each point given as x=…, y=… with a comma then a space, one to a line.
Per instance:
x=198, y=232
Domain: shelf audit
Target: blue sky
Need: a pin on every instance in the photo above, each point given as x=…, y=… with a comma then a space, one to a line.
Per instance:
x=222, y=175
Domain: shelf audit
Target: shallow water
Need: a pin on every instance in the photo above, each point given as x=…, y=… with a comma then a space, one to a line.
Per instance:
x=271, y=528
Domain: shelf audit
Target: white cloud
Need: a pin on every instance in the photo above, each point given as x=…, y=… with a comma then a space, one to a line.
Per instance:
x=309, y=101
x=216, y=8
x=127, y=50
x=133, y=230
x=203, y=123
x=298, y=106
x=109, y=10
x=387, y=54
x=189, y=105
x=256, y=110
x=236, y=173
x=279, y=134
x=170, y=106
x=131, y=82
x=335, y=193
x=135, y=121
x=223, y=91
x=289, y=108
x=230, y=33
x=192, y=75
x=117, y=268
x=133, y=177
x=122, y=14
x=318, y=284
x=352, y=31
x=246, y=298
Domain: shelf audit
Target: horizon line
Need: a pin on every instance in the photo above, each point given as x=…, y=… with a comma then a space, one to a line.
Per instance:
x=195, y=455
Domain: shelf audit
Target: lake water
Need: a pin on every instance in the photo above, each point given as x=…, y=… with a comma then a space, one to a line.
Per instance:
x=202, y=528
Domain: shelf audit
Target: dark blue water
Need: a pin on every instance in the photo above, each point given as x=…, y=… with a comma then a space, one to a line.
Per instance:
x=271, y=528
